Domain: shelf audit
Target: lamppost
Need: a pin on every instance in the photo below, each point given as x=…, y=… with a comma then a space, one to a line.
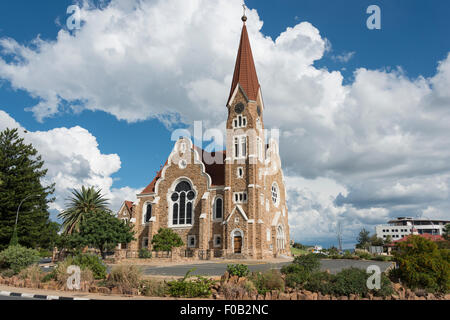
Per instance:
x=14, y=237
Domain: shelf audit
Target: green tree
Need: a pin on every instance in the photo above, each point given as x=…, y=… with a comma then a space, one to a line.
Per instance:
x=422, y=265
x=447, y=231
x=102, y=230
x=375, y=241
x=49, y=235
x=82, y=202
x=166, y=240
x=363, y=239
x=388, y=239
x=21, y=172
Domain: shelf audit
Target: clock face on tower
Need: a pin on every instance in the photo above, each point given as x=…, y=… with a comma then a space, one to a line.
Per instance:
x=239, y=108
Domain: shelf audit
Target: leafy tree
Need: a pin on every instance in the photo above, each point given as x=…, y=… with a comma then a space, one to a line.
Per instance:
x=102, y=230
x=447, y=231
x=375, y=241
x=49, y=235
x=166, y=240
x=388, y=239
x=363, y=239
x=21, y=173
x=82, y=202
x=422, y=265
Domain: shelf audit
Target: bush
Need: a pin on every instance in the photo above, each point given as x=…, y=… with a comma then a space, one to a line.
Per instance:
x=364, y=255
x=91, y=262
x=144, y=253
x=240, y=270
x=199, y=287
x=422, y=265
x=319, y=282
x=18, y=258
x=153, y=288
x=33, y=273
x=268, y=281
x=60, y=275
x=127, y=277
x=44, y=253
x=166, y=240
x=354, y=281
x=350, y=281
x=309, y=262
x=232, y=291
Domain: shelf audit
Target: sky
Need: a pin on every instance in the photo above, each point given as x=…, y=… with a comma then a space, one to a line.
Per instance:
x=364, y=114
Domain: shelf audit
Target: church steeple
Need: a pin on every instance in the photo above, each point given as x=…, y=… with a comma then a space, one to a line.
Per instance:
x=245, y=71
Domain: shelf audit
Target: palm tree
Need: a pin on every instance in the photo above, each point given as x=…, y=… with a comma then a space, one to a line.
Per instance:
x=82, y=202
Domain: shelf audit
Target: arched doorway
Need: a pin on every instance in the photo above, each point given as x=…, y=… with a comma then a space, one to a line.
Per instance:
x=237, y=241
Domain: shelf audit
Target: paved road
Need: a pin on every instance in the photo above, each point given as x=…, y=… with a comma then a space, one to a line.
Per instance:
x=218, y=269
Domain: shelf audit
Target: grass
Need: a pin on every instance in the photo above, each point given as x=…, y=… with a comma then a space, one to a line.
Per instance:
x=298, y=252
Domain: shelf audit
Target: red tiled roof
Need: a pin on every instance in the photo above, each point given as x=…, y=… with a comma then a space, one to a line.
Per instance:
x=425, y=235
x=151, y=187
x=216, y=171
x=245, y=71
x=129, y=205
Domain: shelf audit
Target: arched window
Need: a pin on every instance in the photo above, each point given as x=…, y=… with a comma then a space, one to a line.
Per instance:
x=182, y=204
x=218, y=208
x=148, y=213
x=281, y=241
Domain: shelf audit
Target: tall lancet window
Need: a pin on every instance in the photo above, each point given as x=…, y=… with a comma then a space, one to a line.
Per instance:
x=182, y=204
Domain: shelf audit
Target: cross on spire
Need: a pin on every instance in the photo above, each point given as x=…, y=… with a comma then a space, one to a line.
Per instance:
x=244, y=17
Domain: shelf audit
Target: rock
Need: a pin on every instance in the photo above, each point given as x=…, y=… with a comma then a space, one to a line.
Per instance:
x=284, y=296
x=268, y=296
x=293, y=296
x=370, y=296
x=27, y=283
x=275, y=295
x=314, y=296
x=353, y=297
x=301, y=296
x=447, y=297
x=241, y=280
x=93, y=289
x=260, y=297
x=104, y=290
x=343, y=298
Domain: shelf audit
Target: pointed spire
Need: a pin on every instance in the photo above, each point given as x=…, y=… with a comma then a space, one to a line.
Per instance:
x=245, y=71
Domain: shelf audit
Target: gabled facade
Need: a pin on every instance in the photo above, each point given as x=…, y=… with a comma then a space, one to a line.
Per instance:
x=223, y=204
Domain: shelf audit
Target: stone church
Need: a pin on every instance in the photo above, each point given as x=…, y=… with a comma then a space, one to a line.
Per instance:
x=230, y=203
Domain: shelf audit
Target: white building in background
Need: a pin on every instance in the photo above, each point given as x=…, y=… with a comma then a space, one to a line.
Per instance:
x=402, y=226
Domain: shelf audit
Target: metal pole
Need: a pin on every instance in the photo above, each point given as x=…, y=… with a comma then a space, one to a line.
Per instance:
x=18, y=209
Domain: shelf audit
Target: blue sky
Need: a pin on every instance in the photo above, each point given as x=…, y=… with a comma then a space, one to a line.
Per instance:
x=414, y=37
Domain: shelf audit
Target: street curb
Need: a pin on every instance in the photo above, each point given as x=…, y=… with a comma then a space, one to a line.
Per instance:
x=38, y=296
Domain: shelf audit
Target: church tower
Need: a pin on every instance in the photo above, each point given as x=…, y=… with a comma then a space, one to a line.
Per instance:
x=245, y=156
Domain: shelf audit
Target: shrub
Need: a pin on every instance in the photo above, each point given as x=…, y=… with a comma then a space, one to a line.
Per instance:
x=144, y=253
x=297, y=279
x=18, y=258
x=91, y=262
x=350, y=281
x=198, y=287
x=309, y=262
x=153, y=288
x=44, y=253
x=127, y=277
x=60, y=275
x=240, y=270
x=33, y=273
x=422, y=265
x=166, y=240
x=319, y=282
x=232, y=291
x=354, y=281
x=364, y=255
x=268, y=281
